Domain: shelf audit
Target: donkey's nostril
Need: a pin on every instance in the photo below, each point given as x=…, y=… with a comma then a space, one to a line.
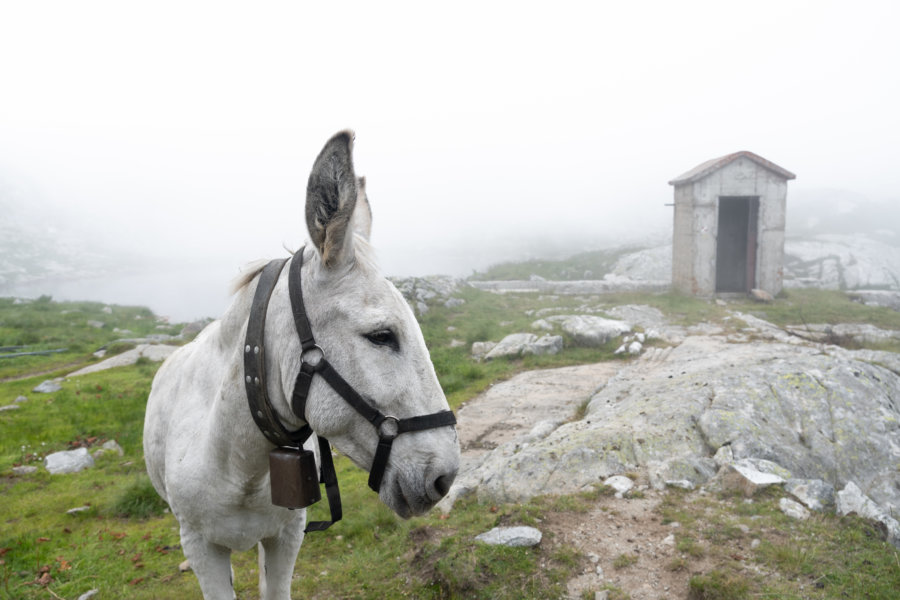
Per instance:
x=442, y=484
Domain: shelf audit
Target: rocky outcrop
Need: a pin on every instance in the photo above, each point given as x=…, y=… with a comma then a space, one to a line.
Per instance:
x=829, y=416
x=152, y=352
x=422, y=292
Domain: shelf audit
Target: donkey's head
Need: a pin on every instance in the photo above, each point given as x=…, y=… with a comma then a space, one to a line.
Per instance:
x=369, y=335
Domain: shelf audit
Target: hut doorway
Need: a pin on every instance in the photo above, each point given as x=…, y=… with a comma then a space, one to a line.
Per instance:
x=736, y=243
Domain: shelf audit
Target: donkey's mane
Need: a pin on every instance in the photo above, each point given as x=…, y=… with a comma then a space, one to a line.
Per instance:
x=364, y=259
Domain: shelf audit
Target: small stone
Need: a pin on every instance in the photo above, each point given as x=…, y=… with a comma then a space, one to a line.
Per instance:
x=669, y=540
x=620, y=483
x=635, y=347
x=542, y=325
x=21, y=399
x=745, y=479
x=9, y=407
x=599, y=571
x=593, y=558
x=680, y=483
x=112, y=446
x=724, y=456
x=47, y=387
x=79, y=509
x=814, y=493
x=455, y=343
x=96, y=324
x=793, y=509
x=68, y=461
x=511, y=536
x=761, y=295
x=24, y=470
x=88, y=594
x=185, y=566
x=601, y=595
x=754, y=544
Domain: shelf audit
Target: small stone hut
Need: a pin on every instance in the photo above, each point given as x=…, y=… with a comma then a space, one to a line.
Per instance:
x=729, y=226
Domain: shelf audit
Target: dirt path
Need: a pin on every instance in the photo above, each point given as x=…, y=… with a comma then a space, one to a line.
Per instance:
x=511, y=409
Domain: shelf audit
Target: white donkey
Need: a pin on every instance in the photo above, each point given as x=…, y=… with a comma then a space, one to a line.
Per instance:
x=208, y=458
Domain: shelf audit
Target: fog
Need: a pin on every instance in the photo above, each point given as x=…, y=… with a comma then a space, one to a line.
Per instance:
x=177, y=137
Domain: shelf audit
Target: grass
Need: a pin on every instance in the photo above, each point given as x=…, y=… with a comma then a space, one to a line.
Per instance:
x=824, y=556
x=126, y=545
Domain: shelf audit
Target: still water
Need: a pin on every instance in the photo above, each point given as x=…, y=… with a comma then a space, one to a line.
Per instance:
x=181, y=293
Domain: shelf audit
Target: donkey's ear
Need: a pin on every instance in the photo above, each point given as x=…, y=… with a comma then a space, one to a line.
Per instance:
x=362, y=214
x=331, y=195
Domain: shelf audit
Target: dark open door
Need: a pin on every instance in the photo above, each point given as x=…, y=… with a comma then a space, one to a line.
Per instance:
x=736, y=244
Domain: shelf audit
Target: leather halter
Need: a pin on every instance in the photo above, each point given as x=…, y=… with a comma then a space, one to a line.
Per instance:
x=314, y=361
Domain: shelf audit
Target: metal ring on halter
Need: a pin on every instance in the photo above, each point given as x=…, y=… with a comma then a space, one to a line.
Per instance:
x=304, y=356
x=391, y=431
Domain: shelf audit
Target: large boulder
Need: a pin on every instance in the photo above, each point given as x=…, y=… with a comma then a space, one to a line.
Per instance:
x=522, y=344
x=831, y=417
x=590, y=330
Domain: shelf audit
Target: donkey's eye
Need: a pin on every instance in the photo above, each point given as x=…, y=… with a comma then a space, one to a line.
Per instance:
x=384, y=337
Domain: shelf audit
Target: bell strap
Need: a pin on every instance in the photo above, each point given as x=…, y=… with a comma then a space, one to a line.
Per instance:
x=261, y=409
x=328, y=476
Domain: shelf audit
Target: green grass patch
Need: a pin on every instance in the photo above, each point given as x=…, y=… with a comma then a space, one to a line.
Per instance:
x=717, y=585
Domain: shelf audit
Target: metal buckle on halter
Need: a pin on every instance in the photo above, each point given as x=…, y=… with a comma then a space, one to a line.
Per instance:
x=389, y=431
x=315, y=353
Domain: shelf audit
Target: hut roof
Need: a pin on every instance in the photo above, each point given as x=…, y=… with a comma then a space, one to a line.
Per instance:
x=704, y=169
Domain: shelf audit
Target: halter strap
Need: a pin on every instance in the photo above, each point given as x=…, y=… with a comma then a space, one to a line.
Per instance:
x=386, y=435
x=264, y=414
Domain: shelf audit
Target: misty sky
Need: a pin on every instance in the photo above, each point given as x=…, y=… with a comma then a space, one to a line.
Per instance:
x=185, y=128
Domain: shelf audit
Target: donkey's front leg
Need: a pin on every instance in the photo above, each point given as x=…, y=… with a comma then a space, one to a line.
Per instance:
x=277, y=556
x=211, y=564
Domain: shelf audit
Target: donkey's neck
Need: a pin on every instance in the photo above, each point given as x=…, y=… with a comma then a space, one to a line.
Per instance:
x=230, y=418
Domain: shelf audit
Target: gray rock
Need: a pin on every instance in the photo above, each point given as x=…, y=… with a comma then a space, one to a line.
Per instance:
x=590, y=330
x=24, y=470
x=620, y=483
x=818, y=416
x=511, y=536
x=79, y=509
x=885, y=298
x=852, y=500
x=96, y=324
x=109, y=446
x=20, y=399
x=511, y=345
x=9, y=407
x=480, y=349
x=88, y=594
x=47, y=387
x=680, y=483
x=547, y=344
x=68, y=461
x=635, y=347
x=454, y=302
x=542, y=325
x=761, y=296
x=814, y=493
x=744, y=479
x=793, y=509
x=153, y=352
